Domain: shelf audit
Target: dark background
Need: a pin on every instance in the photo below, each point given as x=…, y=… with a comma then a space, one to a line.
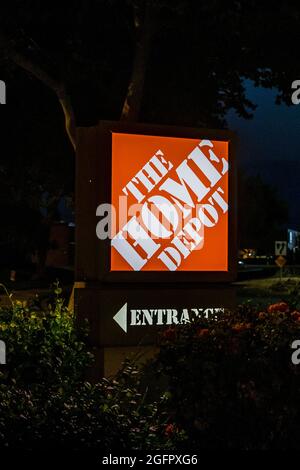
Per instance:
x=200, y=64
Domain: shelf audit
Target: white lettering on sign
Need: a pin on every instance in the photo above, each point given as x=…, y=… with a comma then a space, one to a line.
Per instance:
x=160, y=317
x=149, y=176
x=139, y=237
x=167, y=214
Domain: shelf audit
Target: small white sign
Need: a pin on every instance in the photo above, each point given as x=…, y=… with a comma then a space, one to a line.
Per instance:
x=2, y=352
x=280, y=248
x=2, y=92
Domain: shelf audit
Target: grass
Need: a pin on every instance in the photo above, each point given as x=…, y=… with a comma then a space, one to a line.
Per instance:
x=260, y=291
x=268, y=290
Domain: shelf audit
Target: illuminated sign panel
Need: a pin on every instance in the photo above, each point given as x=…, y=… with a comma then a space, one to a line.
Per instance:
x=155, y=204
x=170, y=196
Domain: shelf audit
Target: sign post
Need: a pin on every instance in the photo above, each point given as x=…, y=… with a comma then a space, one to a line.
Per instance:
x=155, y=228
x=281, y=253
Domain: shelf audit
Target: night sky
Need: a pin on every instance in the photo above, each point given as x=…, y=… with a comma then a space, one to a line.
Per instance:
x=269, y=145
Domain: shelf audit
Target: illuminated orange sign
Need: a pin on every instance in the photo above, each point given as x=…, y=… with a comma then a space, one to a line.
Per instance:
x=170, y=196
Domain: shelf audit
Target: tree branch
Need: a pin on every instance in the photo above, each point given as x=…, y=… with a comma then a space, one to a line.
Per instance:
x=144, y=24
x=70, y=122
x=57, y=87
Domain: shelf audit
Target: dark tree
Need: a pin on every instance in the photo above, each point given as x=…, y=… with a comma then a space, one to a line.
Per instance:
x=69, y=64
x=262, y=214
x=167, y=61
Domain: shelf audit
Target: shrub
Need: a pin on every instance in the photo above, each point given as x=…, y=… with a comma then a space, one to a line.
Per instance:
x=45, y=404
x=44, y=347
x=110, y=415
x=231, y=383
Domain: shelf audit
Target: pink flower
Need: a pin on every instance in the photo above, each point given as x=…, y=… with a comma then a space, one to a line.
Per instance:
x=278, y=307
x=262, y=315
x=169, y=334
x=295, y=315
x=241, y=327
x=170, y=429
x=202, y=332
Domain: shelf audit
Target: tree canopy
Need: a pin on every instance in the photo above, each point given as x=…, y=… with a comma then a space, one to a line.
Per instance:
x=160, y=61
x=173, y=60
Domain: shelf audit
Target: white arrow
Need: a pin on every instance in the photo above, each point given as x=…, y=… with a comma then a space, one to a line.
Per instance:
x=121, y=318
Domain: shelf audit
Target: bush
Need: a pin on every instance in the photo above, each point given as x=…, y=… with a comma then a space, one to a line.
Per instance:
x=231, y=384
x=44, y=347
x=101, y=418
x=46, y=405
x=226, y=384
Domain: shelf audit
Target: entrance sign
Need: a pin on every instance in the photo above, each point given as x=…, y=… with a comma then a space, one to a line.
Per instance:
x=155, y=231
x=160, y=316
x=122, y=316
x=156, y=203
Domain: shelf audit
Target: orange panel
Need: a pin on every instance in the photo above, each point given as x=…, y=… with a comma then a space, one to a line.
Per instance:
x=189, y=173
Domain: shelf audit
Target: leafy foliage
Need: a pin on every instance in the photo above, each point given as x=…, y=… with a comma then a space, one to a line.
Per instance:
x=45, y=402
x=225, y=384
x=260, y=210
x=43, y=344
x=231, y=384
x=109, y=415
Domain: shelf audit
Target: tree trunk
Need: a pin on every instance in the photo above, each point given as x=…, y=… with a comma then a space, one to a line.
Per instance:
x=57, y=87
x=144, y=24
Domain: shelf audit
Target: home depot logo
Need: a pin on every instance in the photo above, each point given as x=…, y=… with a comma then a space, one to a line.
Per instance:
x=170, y=204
